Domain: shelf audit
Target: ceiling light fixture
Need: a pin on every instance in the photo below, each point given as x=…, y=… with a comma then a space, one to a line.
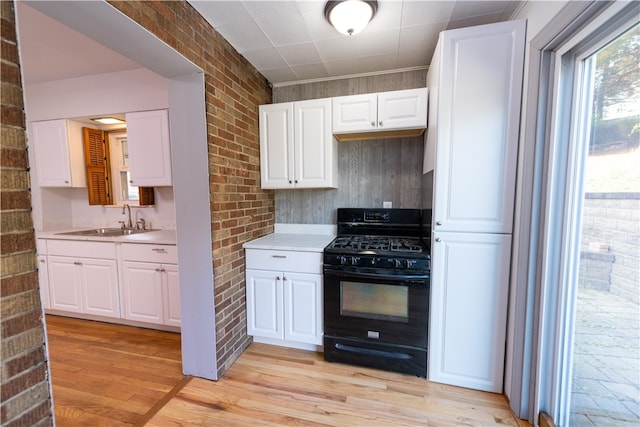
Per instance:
x=108, y=120
x=350, y=17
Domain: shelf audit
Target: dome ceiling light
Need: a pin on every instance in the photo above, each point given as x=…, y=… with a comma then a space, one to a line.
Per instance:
x=350, y=17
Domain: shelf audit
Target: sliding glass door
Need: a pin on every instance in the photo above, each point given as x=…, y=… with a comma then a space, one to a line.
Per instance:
x=605, y=380
x=592, y=243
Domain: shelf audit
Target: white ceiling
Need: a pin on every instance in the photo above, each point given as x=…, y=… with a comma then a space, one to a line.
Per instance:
x=285, y=40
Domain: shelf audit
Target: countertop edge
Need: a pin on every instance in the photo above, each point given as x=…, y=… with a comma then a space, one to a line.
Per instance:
x=158, y=237
x=291, y=242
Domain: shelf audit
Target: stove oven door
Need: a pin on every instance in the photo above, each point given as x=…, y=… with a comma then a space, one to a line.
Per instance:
x=378, y=308
x=378, y=321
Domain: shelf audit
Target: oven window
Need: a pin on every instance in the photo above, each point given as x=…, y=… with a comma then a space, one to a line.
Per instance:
x=374, y=301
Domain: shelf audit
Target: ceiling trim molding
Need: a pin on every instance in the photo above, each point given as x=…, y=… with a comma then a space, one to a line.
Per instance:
x=348, y=76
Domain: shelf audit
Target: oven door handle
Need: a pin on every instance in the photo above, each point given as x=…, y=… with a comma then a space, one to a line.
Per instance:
x=364, y=275
x=373, y=352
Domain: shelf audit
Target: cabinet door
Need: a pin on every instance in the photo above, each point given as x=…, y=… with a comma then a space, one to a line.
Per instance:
x=43, y=279
x=402, y=109
x=100, y=287
x=52, y=153
x=171, y=286
x=149, y=148
x=65, y=283
x=303, y=308
x=142, y=292
x=264, y=304
x=314, y=164
x=478, y=123
x=276, y=145
x=430, y=138
x=469, y=287
x=355, y=113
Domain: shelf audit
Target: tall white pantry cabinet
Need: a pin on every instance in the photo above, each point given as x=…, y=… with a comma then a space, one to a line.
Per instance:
x=475, y=87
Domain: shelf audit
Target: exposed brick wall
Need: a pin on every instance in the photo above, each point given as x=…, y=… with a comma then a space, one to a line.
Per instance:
x=240, y=210
x=25, y=393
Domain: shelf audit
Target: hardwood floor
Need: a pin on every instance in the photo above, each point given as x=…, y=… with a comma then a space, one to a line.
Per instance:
x=113, y=375
x=273, y=386
x=109, y=375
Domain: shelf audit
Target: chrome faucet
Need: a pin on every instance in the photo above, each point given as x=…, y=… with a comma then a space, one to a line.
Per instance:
x=127, y=207
x=141, y=224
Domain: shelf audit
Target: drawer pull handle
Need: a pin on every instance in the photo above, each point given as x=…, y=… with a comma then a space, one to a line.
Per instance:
x=42, y=261
x=77, y=263
x=158, y=270
x=278, y=256
x=159, y=250
x=284, y=278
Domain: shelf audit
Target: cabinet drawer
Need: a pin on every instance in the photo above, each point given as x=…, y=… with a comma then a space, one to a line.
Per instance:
x=150, y=253
x=301, y=262
x=104, y=250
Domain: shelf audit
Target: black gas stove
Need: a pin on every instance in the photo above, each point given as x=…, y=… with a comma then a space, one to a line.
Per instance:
x=388, y=240
x=376, y=290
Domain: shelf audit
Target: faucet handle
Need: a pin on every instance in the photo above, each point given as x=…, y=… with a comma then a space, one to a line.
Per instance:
x=121, y=226
x=139, y=226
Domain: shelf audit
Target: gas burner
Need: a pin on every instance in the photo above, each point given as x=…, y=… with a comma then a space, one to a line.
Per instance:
x=406, y=245
x=378, y=243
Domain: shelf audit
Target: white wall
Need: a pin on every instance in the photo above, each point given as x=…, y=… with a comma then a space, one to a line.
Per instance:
x=119, y=92
x=100, y=94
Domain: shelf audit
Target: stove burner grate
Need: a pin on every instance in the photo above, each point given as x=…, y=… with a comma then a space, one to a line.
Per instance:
x=368, y=243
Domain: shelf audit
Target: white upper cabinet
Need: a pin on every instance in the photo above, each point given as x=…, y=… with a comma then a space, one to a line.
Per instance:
x=476, y=87
x=297, y=149
x=402, y=109
x=276, y=141
x=59, y=156
x=433, y=80
x=355, y=113
x=149, y=148
x=379, y=112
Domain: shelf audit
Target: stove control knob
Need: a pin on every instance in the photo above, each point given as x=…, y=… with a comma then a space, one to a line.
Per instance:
x=397, y=263
x=373, y=261
x=354, y=260
x=409, y=263
x=343, y=259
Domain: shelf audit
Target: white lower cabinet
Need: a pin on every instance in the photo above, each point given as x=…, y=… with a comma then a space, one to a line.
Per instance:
x=43, y=278
x=284, y=305
x=150, y=286
x=43, y=272
x=469, y=293
x=89, y=278
x=81, y=284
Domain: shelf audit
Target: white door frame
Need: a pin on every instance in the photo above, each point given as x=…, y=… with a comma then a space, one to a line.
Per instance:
x=545, y=264
x=106, y=25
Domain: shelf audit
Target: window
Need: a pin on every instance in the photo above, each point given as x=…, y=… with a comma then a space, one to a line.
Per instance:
x=123, y=190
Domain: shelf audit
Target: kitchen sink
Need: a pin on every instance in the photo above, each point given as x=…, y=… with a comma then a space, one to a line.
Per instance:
x=104, y=232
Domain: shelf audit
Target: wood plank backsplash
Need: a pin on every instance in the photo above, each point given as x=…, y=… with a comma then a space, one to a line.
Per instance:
x=369, y=172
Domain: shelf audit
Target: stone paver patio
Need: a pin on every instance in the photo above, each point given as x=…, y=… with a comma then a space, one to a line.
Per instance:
x=606, y=368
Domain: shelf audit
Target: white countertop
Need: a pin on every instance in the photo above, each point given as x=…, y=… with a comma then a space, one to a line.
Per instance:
x=291, y=242
x=158, y=237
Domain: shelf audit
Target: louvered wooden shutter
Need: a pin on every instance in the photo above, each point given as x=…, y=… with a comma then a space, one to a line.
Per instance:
x=146, y=195
x=96, y=157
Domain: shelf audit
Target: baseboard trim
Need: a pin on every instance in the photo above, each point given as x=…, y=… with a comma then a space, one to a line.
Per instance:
x=545, y=420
